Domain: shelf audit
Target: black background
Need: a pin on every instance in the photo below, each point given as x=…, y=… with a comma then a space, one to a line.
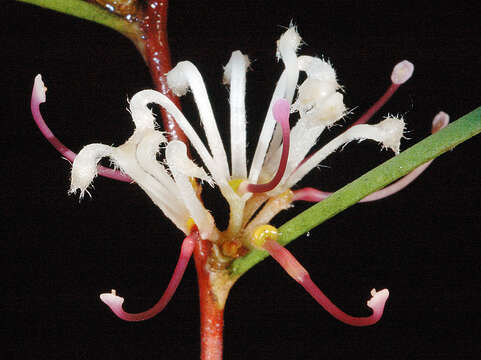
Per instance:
x=422, y=244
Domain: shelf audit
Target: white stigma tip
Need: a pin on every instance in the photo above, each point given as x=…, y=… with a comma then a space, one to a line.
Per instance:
x=378, y=299
x=440, y=121
x=39, y=89
x=402, y=72
x=111, y=299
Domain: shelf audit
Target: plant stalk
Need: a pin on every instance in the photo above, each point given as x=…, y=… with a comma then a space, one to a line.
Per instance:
x=211, y=311
x=156, y=53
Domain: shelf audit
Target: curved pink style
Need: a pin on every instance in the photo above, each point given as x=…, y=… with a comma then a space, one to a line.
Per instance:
x=290, y=264
x=377, y=105
x=400, y=74
x=310, y=194
x=440, y=121
x=38, y=97
x=281, y=110
x=115, y=302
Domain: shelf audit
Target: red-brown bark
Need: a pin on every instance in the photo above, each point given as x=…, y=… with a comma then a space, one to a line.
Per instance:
x=211, y=312
x=153, y=23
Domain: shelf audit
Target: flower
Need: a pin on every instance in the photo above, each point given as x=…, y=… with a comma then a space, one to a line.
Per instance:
x=168, y=184
x=280, y=161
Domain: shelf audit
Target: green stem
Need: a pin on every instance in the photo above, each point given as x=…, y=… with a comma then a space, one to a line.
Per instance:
x=427, y=149
x=91, y=12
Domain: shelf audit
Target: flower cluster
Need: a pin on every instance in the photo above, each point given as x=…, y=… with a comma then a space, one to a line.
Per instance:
x=169, y=184
x=283, y=156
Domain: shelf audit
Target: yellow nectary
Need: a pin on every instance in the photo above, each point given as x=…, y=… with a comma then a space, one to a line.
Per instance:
x=262, y=233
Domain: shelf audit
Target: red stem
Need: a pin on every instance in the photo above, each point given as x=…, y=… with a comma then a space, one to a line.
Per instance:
x=157, y=55
x=211, y=313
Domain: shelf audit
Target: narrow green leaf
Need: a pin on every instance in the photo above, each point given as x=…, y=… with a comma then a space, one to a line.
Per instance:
x=91, y=12
x=427, y=149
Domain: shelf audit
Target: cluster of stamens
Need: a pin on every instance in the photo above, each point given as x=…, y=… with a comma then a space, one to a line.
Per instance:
x=282, y=158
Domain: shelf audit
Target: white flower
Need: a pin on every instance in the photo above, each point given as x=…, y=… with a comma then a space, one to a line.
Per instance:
x=170, y=183
x=254, y=195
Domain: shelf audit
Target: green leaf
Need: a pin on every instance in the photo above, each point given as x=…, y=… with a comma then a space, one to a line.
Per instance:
x=91, y=12
x=427, y=149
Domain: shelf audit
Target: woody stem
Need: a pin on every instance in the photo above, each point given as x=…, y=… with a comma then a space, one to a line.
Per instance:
x=211, y=312
x=156, y=53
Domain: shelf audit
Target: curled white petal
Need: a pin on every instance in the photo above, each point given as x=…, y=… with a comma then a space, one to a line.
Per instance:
x=319, y=106
x=325, y=110
x=388, y=132
x=235, y=75
x=316, y=68
x=176, y=154
x=311, y=91
x=266, y=132
x=184, y=165
x=186, y=74
x=214, y=168
x=152, y=96
x=317, y=98
x=287, y=47
x=125, y=158
x=237, y=61
x=289, y=39
x=318, y=110
x=84, y=167
x=147, y=157
x=177, y=81
x=141, y=115
x=391, y=131
x=84, y=170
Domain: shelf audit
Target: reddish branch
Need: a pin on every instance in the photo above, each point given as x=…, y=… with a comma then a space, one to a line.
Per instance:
x=211, y=313
x=157, y=55
x=153, y=44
